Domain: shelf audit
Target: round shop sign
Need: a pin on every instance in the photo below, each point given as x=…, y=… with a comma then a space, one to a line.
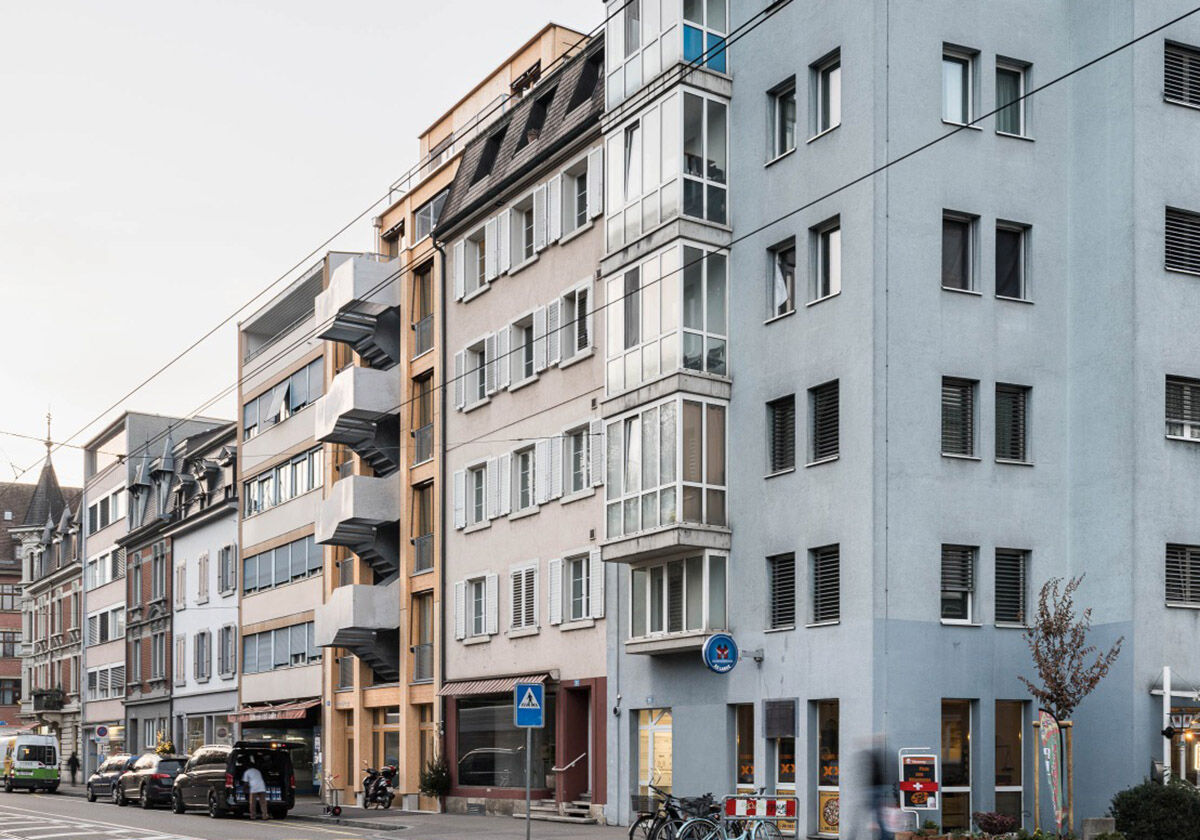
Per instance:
x=720, y=653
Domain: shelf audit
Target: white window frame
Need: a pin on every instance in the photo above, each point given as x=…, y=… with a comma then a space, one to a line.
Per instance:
x=1021, y=69
x=475, y=261
x=827, y=87
x=524, y=612
x=826, y=260
x=181, y=660
x=709, y=560
x=781, y=286
x=778, y=143
x=575, y=215
x=1023, y=262
x=476, y=481
x=477, y=607
x=966, y=60
x=524, y=478
x=577, y=568
x=572, y=437
x=972, y=224
x=577, y=332
x=971, y=594
x=521, y=224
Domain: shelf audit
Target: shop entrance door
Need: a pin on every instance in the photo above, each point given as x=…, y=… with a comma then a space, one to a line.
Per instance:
x=574, y=744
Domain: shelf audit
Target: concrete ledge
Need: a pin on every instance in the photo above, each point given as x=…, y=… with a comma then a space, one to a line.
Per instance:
x=674, y=539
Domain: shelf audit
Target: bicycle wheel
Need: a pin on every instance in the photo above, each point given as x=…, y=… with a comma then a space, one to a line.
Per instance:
x=667, y=829
x=700, y=828
x=642, y=828
x=766, y=830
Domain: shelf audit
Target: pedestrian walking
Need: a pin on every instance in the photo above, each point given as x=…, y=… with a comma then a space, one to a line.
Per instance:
x=73, y=767
x=256, y=786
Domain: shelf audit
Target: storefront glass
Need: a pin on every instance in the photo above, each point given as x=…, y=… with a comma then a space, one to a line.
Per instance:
x=491, y=750
x=194, y=735
x=654, y=750
x=828, y=768
x=744, y=747
x=956, y=765
x=1009, y=757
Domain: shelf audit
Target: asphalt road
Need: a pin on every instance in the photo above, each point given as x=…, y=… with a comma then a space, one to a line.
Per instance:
x=25, y=816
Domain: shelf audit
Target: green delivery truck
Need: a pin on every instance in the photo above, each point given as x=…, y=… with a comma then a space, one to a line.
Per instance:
x=30, y=762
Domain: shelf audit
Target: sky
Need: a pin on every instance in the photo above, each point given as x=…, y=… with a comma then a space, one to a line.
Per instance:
x=162, y=162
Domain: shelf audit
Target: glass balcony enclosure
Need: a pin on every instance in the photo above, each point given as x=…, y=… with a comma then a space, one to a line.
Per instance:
x=679, y=596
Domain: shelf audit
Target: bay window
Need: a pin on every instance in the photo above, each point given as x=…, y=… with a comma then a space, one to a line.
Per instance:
x=705, y=25
x=666, y=464
x=679, y=596
x=705, y=156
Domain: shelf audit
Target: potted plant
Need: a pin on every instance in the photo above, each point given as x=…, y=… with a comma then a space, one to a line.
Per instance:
x=992, y=823
x=435, y=780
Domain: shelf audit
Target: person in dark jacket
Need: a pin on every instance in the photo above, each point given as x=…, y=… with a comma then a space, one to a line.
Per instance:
x=73, y=767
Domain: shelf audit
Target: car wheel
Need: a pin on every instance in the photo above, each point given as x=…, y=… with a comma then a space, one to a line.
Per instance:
x=277, y=813
x=177, y=803
x=144, y=798
x=91, y=794
x=214, y=807
x=8, y=785
x=119, y=796
x=53, y=788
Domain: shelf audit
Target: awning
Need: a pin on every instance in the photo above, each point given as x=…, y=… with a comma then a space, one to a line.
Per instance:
x=274, y=711
x=501, y=685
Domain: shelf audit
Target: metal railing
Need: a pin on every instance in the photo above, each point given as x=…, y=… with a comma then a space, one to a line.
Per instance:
x=423, y=553
x=423, y=336
x=423, y=444
x=422, y=662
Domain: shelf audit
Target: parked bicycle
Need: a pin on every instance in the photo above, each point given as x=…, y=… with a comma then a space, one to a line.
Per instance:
x=756, y=820
x=662, y=815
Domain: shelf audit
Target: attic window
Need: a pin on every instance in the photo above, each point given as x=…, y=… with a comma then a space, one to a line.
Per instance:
x=526, y=80
x=537, y=119
x=487, y=158
x=588, y=79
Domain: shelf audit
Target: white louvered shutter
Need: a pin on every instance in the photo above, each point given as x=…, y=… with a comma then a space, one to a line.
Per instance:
x=460, y=499
x=489, y=249
x=504, y=242
x=585, y=295
x=539, y=218
x=460, y=381
x=533, y=588
x=460, y=609
x=554, y=332
x=93, y=633
x=492, y=474
x=505, y=478
x=595, y=183
x=554, y=208
x=555, y=587
x=539, y=339
x=503, y=361
x=490, y=369
x=596, y=584
x=491, y=603
x=457, y=267
x=541, y=467
x=556, y=465
x=596, y=452
x=516, y=580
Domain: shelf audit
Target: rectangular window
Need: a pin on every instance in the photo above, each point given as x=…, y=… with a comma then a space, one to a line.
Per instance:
x=476, y=607
x=576, y=581
x=1010, y=261
x=1181, y=74
x=1183, y=575
x=743, y=747
x=827, y=77
x=958, y=582
x=958, y=416
x=427, y=215
x=476, y=484
x=781, y=570
x=958, y=247
x=1012, y=418
x=522, y=231
x=705, y=158
x=576, y=323
x=956, y=87
x=524, y=598
x=956, y=765
x=227, y=658
x=781, y=419
x=827, y=257
x=1010, y=87
x=782, y=103
x=679, y=596
x=575, y=450
x=705, y=25
x=1010, y=758
x=1183, y=408
x=823, y=417
x=828, y=769
x=783, y=279
x=523, y=479
x=825, y=565
x=1183, y=241
x=284, y=482
x=1011, y=575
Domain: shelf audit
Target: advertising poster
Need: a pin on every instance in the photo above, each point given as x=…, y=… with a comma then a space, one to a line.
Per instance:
x=1051, y=755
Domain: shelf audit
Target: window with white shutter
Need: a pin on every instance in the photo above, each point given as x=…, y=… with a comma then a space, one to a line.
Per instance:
x=1011, y=584
x=523, y=586
x=181, y=661
x=596, y=584
x=958, y=416
x=823, y=413
x=1183, y=408
x=781, y=571
x=1012, y=418
x=1181, y=74
x=555, y=588
x=1183, y=241
x=492, y=603
x=1183, y=575
x=958, y=582
x=781, y=420
x=825, y=563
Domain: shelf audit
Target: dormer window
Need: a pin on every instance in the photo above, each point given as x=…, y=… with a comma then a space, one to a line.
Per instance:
x=537, y=119
x=487, y=157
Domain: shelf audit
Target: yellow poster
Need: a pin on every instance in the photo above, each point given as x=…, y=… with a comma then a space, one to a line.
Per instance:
x=828, y=813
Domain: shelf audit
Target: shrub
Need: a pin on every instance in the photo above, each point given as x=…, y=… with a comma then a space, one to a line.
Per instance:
x=435, y=778
x=990, y=822
x=1151, y=811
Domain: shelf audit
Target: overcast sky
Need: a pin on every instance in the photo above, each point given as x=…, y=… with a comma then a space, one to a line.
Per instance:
x=160, y=162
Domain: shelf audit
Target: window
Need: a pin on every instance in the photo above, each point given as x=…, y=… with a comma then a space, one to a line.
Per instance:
x=827, y=85
x=427, y=215
x=1010, y=757
x=577, y=594
x=523, y=479
x=633, y=161
x=522, y=359
x=1183, y=408
x=783, y=279
x=705, y=25
x=227, y=569
x=106, y=625
x=743, y=747
x=158, y=572
x=823, y=415
x=477, y=372
x=956, y=765
x=277, y=404
x=422, y=290
x=203, y=650
x=704, y=313
x=10, y=596
x=299, y=559
x=1012, y=417
x=782, y=104
x=284, y=482
x=1183, y=575
x=1011, y=574
x=654, y=753
x=825, y=564
x=958, y=258
x=705, y=158
x=1010, y=261
x=1010, y=87
x=781, y=419
x=633, y=27
x=827, y=253
x=285, y=647
x=477, y=607
x=103, y=683
x=958, y=416
x=781, y=572
x=10, y=641
x=524, y=598
x=958, y=582
x=957, y=81
x=227, y=652
x=105, y=511
x=487, y=158
x=679, y=596
x=522, y=231
x=476, y=486
x=1181, y=74
x=475, y=267
x=576, y=336
x=158, y=656
x=485, y=721
x=423, y=518
x=575, y=197
x=10, y=692
x=575, y=462
x=1183, y=241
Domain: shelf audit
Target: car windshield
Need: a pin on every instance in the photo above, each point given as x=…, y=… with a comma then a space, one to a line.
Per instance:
x=37, y=752
x=170, y=765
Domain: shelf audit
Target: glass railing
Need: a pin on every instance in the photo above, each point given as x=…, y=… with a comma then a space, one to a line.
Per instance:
x=423, y=340
x=423, y=444
x=423, y=553
x=422, y=662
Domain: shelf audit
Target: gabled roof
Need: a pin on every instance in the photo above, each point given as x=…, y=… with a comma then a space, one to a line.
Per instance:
x=47, y=501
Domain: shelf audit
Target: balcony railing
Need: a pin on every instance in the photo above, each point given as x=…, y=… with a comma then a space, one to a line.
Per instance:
x=422, y=662
x=423, y=338
x=345, y=670
x=423, y=444
x=49, y=700
x=423, y=553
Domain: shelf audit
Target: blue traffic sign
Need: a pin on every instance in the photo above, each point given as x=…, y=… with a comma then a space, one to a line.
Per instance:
x=529, y=705
x=720, y=653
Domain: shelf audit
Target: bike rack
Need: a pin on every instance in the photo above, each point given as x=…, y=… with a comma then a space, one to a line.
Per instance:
x=760, y=807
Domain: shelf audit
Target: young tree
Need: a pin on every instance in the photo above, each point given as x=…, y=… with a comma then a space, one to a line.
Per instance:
x=1063, y=658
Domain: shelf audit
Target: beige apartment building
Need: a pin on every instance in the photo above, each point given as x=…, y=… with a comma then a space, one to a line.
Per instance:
x=524, y=449
x=381, y=418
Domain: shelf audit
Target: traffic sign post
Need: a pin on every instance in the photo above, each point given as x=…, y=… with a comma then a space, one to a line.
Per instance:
x=529, y=713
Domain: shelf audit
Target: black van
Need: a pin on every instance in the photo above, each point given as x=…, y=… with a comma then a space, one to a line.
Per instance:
x=103, y=781
x=212, y=779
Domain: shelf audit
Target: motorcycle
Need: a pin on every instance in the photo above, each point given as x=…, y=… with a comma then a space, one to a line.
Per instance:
x=379, y=787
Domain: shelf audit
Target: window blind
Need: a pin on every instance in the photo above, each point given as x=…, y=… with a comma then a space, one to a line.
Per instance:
x=1183, y=241
x=1181, y=74
x=826, y=586
x=1183, y=574
x=958, y=416
x=825, y=421
x=782, y=571
x=1010, y=585
x=1183, y=407
x=782, y=414
x=958, y=568
x=1011, y=417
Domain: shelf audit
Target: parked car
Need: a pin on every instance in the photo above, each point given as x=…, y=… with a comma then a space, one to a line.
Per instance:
x=492, y=766
x=150, y=781
x=101, y=782
x=30, y=762
x=213, y=779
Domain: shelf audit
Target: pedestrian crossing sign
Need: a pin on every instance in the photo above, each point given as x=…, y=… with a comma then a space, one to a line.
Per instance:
x=529, y=705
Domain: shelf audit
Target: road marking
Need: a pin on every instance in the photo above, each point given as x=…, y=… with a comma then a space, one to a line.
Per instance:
x=18, y=824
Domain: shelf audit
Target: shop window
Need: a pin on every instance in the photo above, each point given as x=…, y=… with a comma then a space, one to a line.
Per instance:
x=828, y=775
x=743, y=747
x=1010, y=758
x=491, y=749
x=956, y=765
x=654, y=750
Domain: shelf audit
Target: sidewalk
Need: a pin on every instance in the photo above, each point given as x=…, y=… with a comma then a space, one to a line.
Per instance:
x=452, y=826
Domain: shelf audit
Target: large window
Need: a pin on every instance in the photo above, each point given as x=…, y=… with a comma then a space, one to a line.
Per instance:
x=956, y=765
x=679, y=596
x=10, y=596
x=1012, y=419
x=427, y=215
x=1010, y=758
x=1183, y=408
x=283, y=482
x=285, y=647
x=1181, y=74
x=705, y=157
x=279, y=403
x=491, y=750
x=958, y=416
x=958, y=582
x=1010, y=87
x=103, y=683
x=666, y=464
x=284, y=564
x=106, y=625
x=10, y=641
x=1183, y=241
x=654, y=756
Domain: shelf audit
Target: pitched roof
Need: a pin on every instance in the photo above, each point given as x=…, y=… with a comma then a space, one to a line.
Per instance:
x=47, y=501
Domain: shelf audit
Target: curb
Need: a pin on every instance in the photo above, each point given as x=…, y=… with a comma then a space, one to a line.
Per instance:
x=350, y=823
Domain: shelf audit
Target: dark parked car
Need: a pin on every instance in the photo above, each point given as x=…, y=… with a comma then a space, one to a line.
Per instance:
x=149, y=782
x=492, y=766
x=212, y=779
x=101, y=782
